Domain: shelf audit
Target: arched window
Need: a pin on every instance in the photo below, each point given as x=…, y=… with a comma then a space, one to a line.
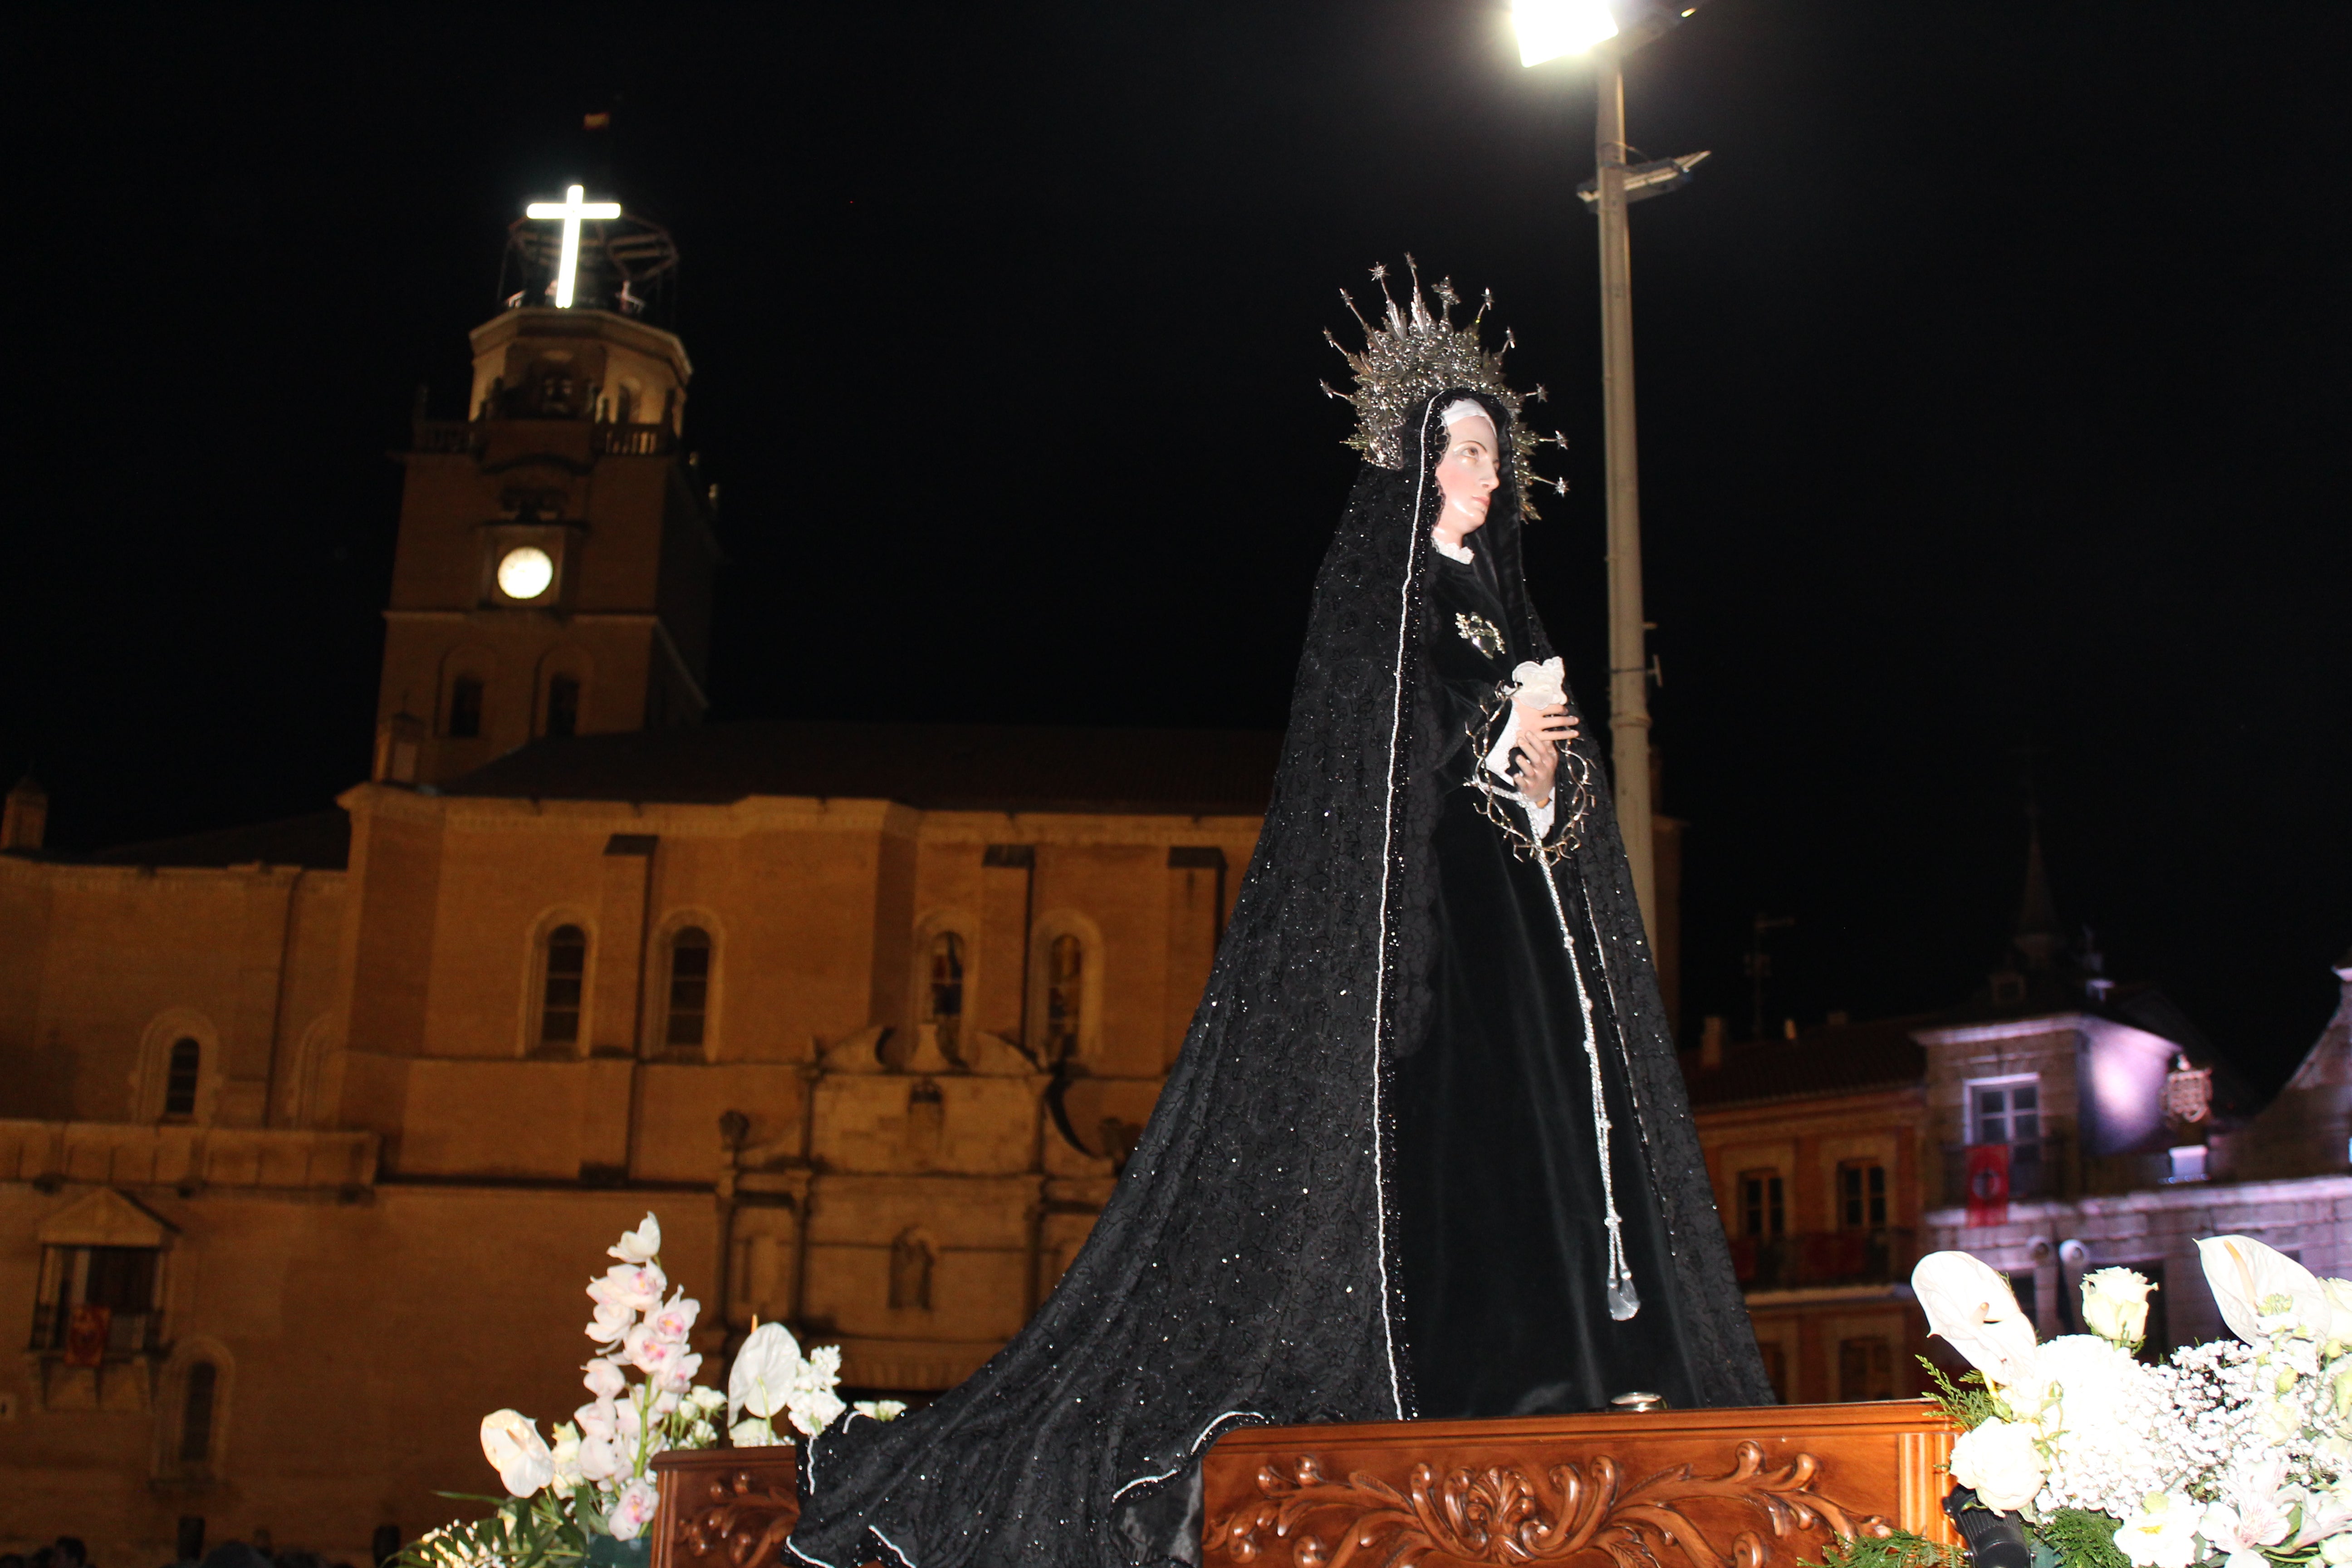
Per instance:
x=567, y=974
x=196, y=1413
x=944, y=993
x=563, y=705
x=689, y=987
x=465, y=719
x=182, y=1074
x=1066, y=995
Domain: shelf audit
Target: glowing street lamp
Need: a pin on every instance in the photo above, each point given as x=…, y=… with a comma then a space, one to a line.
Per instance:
x=1549, y=29
x=571, y=209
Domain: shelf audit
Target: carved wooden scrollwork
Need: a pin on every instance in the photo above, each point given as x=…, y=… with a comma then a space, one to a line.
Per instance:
x=740, y=1515
x=1498, y=1515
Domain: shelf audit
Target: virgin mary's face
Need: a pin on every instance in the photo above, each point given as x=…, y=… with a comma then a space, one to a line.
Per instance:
x=1466, y=476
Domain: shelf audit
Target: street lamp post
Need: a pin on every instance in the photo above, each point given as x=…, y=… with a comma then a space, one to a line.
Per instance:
x=1629, y=695
x=1548, y=29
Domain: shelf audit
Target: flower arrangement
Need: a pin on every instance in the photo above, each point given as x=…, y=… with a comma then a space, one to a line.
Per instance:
x=771, y=1377
x=2235, y=1454
x=589, y=1496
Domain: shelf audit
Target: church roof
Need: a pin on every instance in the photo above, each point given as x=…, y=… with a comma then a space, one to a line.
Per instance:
x=939, y=767
x=318, y=841
x=1833, y=1059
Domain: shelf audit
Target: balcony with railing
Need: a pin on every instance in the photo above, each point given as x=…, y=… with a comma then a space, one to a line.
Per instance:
x=463, y=437
x=2038, y=1168
x=1821, y=1258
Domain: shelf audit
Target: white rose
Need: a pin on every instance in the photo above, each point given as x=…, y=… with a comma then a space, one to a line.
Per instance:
x=642, y=1245
x=2336, y=1551
x=881, y=1409
x=2163, y=1533
x=511, y=1443
x=1998, y=1461
x=752, y=1432
x=2115, y=1305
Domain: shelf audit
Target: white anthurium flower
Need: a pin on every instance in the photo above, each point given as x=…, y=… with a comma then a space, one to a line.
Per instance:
x=2338, y=1337
x=2115, y=1305
x=764, y=1372
x=642, y=1245
x=2000, y=1461
x=1969, y=1303
x=2163, y=1533
x=511, y=1443
x=2250, y=1280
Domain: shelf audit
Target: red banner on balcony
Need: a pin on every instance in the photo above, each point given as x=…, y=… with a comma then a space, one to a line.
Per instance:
x=87, y=1331
x=1987, y=1180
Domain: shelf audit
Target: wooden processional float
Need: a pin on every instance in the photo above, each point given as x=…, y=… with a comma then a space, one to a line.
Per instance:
x=1761, y=1488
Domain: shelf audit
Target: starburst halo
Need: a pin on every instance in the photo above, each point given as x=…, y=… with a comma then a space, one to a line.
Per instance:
x=1417, y=352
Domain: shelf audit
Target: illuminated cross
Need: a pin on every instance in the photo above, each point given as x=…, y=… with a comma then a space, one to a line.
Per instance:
x=570, y=209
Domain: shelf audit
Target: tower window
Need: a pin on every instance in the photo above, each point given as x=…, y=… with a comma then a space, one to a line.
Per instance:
x=567, y=973
x=465, y=708
x=944, y=992
x=1065, y=997
x=180, y=1076
x=563, y=705
x=1862, y=1196
x=689, y=987
x=197, y=1414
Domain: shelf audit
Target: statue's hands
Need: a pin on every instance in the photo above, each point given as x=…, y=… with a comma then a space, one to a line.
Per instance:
x=1536, y=752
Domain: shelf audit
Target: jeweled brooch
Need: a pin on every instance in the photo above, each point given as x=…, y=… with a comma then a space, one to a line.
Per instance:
x=1480, y=633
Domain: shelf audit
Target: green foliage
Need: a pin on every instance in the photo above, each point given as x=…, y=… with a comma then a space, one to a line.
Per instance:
x=1899, y=1549
x=1969, y=1404
x=2080, y=1539
x=547, y=1531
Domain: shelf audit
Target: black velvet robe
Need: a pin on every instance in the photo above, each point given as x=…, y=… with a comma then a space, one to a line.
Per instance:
x=1504, y=1257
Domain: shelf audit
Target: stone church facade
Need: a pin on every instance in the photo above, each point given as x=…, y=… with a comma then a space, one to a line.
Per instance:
x=311, y=1132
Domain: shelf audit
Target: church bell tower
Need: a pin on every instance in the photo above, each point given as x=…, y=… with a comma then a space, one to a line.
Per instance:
x=553, y=571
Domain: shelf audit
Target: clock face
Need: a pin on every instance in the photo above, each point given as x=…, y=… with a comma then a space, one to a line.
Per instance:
x=526, y=573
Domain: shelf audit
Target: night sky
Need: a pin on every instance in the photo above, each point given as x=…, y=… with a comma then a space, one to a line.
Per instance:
x=1992, y=380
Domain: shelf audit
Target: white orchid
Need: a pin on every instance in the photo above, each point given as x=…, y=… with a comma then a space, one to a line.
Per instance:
x=642, y=1245
x=633, y=1509
x=511, y=1443
x=1970, y=1305
x=2253, y=1282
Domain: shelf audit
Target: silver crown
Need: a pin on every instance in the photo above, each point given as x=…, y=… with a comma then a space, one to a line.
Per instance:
x=1419, y=353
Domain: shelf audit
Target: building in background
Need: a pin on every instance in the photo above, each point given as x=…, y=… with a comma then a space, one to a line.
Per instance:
x=2059, y=1121
x=310, y=1133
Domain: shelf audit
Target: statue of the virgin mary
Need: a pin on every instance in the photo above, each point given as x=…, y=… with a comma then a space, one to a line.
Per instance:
x=1426, y=1150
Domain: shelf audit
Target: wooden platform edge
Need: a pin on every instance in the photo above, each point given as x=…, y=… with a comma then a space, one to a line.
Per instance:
x=1759, y=1488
